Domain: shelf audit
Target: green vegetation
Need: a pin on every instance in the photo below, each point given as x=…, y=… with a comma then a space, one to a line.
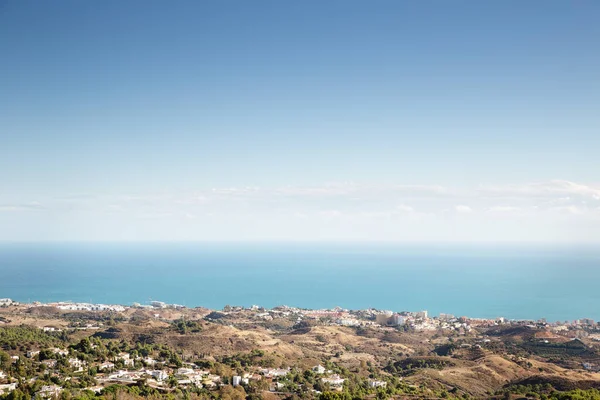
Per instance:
x=547, y=392
x=571, y=348
x=25, y=337
x=142, y=357
x=411, y=365
x=185, y=327
x=253, y=358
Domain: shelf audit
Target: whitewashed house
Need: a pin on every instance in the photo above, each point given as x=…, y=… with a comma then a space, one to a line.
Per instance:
x=106, y=366
x=159, y=375
x=319, y=369
x=50, y=391
x=7, y=388
x=334, y=380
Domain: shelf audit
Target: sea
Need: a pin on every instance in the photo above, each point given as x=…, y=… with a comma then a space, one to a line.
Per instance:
x=556, y=282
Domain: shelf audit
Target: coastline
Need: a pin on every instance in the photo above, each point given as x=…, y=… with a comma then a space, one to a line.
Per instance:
x=338, y=312
x=517, y=283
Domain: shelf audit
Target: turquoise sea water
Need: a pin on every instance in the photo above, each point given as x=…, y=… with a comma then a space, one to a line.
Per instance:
x=525, y=282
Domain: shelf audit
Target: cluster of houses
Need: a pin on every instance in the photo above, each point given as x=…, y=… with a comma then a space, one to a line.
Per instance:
x=7, y=302
x=84, y=306
x=157, y=375
x=418, y=320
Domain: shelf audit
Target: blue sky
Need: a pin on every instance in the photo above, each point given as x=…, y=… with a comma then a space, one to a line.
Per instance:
x=339, y=120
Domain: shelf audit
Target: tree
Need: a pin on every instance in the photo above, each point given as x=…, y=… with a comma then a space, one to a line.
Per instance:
x=335, y=396
x=4, y=359
x=231, y=393
x=172, y=381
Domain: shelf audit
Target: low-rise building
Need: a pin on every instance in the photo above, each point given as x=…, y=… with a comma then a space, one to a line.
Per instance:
x=6, y=302
x=32, y=353
x=185, y=371
x=149, y=361
x=50, y=391
x=60, y=352
x=126, y=358
x=421, y=314
x=106, y=366
x=159, y=375
x=275, y=372
x=158, y=304
x=7, y=388
x=333, y=380
x=319, y=369
x=76, y=363
x=49, y=363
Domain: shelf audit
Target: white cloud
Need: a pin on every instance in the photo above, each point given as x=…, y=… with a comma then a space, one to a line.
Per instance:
x=569, y=210
x=338, y=189
x=235, y=191
x=552, y=188
x=405, y=209
x=462, y=209
x=503, y=209
x=154, y=215
x=30, y=206
x=331, y=214
x=345, y=189
x=336, y=209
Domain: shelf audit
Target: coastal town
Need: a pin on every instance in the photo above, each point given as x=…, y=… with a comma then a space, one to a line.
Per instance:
x=52, y=350
x=414, y=320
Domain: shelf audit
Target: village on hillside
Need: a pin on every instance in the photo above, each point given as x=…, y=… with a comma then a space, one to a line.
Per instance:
x=69, y=349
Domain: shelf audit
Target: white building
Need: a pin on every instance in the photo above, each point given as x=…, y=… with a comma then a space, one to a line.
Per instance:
x=149, y=361
x=349, y=322
x=60, y=352
x=275, y=372
x=319, y=369
x=50, y=391
x=49, y=363
x=236, y=380
x=32, y=353
x=446, y=317
x=185, y=371
x=159, y=375
x=106, y=365
x=334, y=380
x=382, y=318
x=76, y=363
x=7, y=388
x=127, y=361
x=158, y=304
x=396, y=320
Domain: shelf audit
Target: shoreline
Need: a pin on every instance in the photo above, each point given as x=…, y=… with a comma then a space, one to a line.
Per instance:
x=69, y=305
